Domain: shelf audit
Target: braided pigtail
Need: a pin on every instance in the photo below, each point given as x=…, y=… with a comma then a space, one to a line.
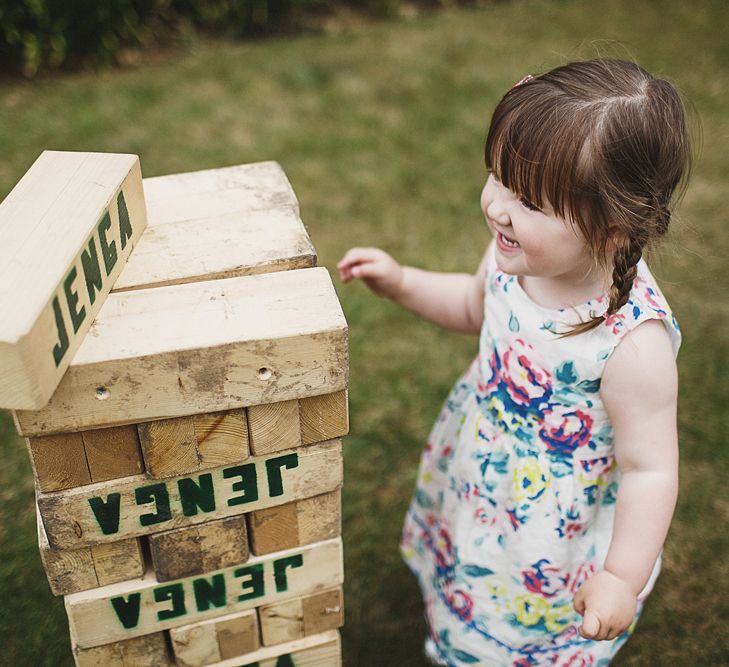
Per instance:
x=628, y=252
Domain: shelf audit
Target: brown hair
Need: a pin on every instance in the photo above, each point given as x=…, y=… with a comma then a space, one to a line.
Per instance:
x=606, y=145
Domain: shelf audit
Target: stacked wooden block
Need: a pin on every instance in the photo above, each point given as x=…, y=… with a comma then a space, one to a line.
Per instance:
x=188, y=466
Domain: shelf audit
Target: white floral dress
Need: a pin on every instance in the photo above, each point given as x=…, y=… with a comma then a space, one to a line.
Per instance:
x=514, y=504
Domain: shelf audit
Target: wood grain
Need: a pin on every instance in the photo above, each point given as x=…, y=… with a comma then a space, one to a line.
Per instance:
x=323, y=417
x=59, y=461
x=112, y=452
x=274, y=427
x=302, y=522
x=73, y=570
x=216, y=639
x=294, y=619
x=169, y=446
x=147, y=651
x=202, y=548
x=322, y=650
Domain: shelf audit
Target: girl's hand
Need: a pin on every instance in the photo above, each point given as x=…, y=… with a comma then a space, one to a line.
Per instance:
x=380, y=272
x=607, y=605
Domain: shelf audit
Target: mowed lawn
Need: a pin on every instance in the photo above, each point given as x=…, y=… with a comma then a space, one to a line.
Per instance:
x=380, y=130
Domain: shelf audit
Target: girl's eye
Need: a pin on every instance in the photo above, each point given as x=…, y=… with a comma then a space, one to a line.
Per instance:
x=527, y=204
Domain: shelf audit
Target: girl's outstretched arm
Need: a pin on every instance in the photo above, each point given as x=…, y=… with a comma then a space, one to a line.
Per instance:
x=451, y=300
x=639, y=390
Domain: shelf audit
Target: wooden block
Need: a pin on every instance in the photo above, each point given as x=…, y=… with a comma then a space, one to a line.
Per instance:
x=235, y=243
x=169, y=446
x=133, y=506
x=222, y=437
x=59, y=461
x=118, y=561
x=208, y=546
x=294, y=524
x=68, y=570
x=199, y=348
x=187, y=444
x=68, y=227
x=112, y=453
x=135, y=608
x=216, y=639
x=67, y=460
x=295, y=619
x=274, y=427
x=147, y=651
x=323, y=417
x=73, y=570
x=213, y=192
x=322, y=650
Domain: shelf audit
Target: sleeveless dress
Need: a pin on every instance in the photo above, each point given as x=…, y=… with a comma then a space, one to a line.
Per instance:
x=515, y=498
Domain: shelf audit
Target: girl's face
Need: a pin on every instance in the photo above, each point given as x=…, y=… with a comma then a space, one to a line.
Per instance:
x=531, y=242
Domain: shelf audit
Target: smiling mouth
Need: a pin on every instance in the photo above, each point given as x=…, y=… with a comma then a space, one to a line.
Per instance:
x=508, y=242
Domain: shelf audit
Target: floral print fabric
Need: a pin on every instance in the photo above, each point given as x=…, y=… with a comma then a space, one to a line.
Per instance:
x=515, y=498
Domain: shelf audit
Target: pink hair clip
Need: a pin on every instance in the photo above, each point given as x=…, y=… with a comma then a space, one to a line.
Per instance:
x=521, y=82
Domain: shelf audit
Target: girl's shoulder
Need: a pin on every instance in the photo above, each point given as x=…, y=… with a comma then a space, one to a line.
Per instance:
x=646, y=302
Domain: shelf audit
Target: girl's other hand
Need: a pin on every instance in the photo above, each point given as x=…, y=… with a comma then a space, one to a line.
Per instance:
x=380, y=272
x=607, y=605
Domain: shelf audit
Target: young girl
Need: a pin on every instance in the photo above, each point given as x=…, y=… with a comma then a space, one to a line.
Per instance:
x=548, y=482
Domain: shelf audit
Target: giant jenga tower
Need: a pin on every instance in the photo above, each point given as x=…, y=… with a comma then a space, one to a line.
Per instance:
x=186, y=445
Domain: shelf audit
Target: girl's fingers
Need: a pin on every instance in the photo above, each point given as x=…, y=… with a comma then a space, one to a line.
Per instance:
x=590, y=627
x=356, y=256
x=579, y=603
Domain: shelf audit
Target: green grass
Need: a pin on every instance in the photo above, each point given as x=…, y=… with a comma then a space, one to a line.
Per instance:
x=380, y=130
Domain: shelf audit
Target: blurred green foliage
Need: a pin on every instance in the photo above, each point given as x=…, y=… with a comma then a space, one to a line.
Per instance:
x=48, y=34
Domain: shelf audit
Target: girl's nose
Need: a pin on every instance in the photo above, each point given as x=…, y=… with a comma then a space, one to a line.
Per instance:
x=496, y=209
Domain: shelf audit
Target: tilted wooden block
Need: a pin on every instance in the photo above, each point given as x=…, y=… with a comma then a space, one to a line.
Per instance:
x=207, y=546
x=322, y=650
x=133, y=506
x=323, y=417
x=73, y=570
x=199, y=348
x=68, y=460
x=287, y=424
x=216, y=639
x=68, y=227
x=147, y=651
x=295, y=619
x=139, y=607
x=293, y=524
x=186, y=444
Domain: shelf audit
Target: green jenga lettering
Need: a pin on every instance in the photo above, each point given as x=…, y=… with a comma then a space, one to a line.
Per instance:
x=108, y=250
x=107, y=513
x=125, y=226
x=156, y=493
x=273, y=472
x=254, y=585
x=127, y=611
x=92, y=270
x=248, y=483
x=209, y=593
x=77, y=315
x=175, y=593
x=60, y=348
x=196, y=495
x=279, y=570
